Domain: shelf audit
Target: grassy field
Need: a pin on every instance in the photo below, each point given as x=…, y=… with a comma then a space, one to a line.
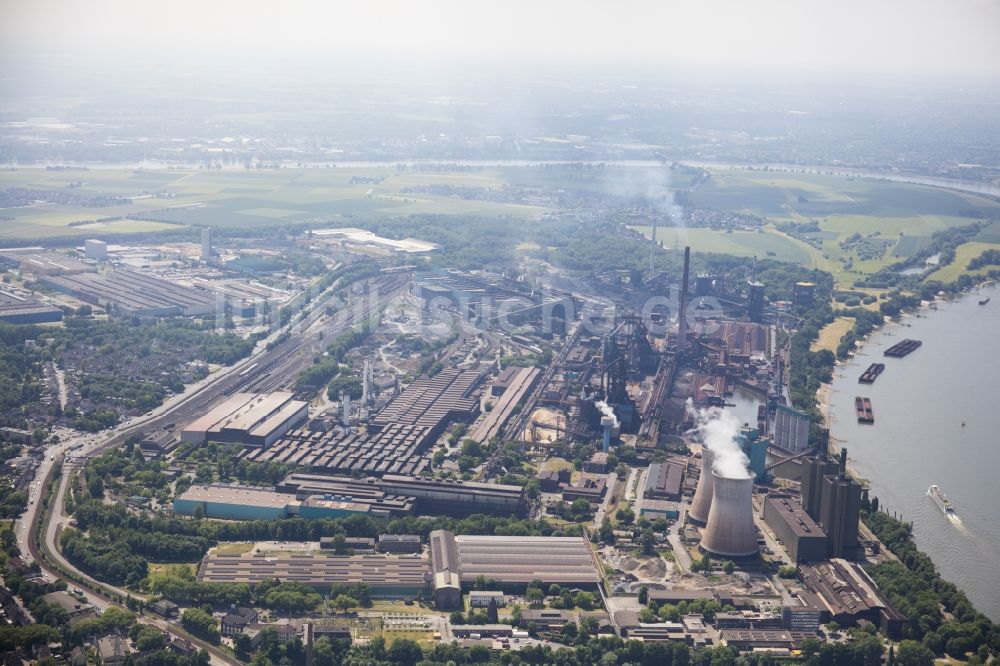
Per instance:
x=245, y=199
x=963, y=255
x=424, y=638
x=903, y=214
x=814, y=196
x=831, y=334
x=171, y=570
x=234, y=548
x=766, y=243
x=556, y=464
x=990, y=233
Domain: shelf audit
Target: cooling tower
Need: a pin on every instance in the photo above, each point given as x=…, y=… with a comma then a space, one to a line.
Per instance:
x=702, y=501
x=730, y=531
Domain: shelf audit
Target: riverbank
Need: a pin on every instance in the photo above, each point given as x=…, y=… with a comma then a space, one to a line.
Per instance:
x=935, y=424
x=823, y=394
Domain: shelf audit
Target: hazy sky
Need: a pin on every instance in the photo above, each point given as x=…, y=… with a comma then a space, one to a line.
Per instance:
x=936, y=37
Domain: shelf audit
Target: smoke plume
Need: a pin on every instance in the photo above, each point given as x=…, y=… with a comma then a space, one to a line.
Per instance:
x=607, y=410
x=718, y=429
x=648, y=186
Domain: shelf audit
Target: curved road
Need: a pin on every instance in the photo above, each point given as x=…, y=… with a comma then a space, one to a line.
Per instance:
x=264, y=369
x=100, y=598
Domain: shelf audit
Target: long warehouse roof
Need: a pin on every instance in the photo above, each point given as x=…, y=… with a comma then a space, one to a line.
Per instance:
x=516, y=559
x=376, y=570
x=247, y=412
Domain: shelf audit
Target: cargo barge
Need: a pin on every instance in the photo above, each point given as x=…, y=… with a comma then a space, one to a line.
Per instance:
x=863, y=407
x=941, y=500
x=871, y=374
x=901, y=349
x=985, y=301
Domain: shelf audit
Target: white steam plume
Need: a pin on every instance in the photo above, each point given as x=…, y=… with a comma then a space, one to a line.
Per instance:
x=607, y=410
x=718, y=430
x=689, y=409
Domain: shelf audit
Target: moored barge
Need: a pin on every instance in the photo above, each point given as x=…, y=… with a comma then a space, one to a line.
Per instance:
x=901, y=349
x=863, y=407
x=871, y=374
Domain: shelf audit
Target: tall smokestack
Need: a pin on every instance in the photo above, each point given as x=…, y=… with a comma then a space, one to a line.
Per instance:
x=702, y=502
x=308, y=630
x=843, y=463
x=345, y=404
x=730, y=531
x=366, y=383
x=652, y=250
x=682, y=316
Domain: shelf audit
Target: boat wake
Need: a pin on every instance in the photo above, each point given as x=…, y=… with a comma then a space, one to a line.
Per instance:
x=957, y=522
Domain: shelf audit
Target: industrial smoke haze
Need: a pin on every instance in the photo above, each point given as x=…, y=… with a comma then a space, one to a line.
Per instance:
x=651, y=186
x=718, y=429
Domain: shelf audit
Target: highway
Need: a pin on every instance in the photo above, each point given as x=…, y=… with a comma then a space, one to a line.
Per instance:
x=265, y=370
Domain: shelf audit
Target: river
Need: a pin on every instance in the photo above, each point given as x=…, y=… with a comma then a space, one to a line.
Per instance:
x=920, y=404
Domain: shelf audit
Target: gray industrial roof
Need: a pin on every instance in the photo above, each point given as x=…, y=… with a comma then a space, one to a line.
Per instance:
x=316, y=570
x=257, y=497
x=521, y=559
x=665, y=478
x=792, y=513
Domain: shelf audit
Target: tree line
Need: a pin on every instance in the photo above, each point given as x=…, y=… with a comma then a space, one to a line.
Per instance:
x=915, y=587
x=114, y=544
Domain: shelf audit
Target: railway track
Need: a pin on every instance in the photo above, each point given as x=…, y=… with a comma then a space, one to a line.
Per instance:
x=513, y=429
x=277, y=367
x=271, y=368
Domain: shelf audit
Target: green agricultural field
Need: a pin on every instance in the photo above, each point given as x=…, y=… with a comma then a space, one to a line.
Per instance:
x=168, y=198
x=990, y=234
x=898, y=217
x=762, y=244
x=965, y=253
x=891, y=226
x=790, y=195
x=902, y=214
x=910, y=245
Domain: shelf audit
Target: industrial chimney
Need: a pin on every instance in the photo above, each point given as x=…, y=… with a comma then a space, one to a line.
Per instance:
x=730, y=531
x=308, y=631
x=702, y=501
x=682, y=315
x=345, y=403
x=652, y=250
x=366, y=383
x=843, y=463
